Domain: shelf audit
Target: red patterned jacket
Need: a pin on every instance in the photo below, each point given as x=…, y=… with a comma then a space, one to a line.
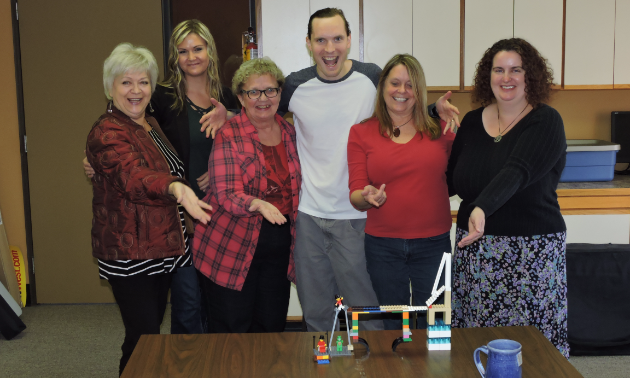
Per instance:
x=134, y=216
x=224, y=249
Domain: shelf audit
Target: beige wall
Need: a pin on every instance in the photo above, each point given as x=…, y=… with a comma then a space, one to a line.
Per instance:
x=11, y=198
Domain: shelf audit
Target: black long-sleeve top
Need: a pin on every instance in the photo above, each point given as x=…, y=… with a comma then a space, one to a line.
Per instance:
x=513, y=181
x=175, y=123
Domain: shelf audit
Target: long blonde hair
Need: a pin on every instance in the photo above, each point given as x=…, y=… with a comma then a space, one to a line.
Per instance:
x=175, y=77
x=422, y=121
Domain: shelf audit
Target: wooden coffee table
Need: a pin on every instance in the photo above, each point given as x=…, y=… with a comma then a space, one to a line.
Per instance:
x=291, y=355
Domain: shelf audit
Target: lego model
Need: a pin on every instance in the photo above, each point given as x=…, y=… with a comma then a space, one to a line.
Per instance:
x=438, y=331
x=345, y=350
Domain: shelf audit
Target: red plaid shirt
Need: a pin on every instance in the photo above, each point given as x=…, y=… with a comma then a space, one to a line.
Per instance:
x=223, y=250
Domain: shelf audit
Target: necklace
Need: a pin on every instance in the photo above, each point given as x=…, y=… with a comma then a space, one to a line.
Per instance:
x=396, y=128
x=198, y=109
x=498, y=138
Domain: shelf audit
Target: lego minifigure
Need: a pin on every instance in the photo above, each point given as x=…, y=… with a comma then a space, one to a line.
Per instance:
x=338, y=299
x=339, y=344
x=321, y=345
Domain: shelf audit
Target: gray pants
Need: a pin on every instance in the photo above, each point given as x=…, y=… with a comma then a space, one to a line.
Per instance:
x=330, y=259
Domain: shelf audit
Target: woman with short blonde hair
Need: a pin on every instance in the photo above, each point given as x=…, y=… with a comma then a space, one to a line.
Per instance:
x=139, y=235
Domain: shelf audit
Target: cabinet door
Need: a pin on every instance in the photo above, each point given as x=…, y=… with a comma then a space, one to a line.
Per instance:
x=542, y=29
x=283, y=38
x=436, y=42
x=487, y=21
x=622, y=45
x=350, y=9
x=387, y=29
x=589, y=44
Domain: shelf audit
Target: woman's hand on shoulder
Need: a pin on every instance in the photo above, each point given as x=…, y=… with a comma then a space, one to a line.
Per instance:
x=269, y=211
x=448, y=112
x=476, y=226
x=187, y=198
x=212, y=121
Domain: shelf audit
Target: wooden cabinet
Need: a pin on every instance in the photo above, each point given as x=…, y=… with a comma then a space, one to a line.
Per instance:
x=622, y=45
x=282, y=38
x=596, y=45
x=487, y=21
x=436, y=41
x=387, y=27
x=590, y=44
x=543, y=29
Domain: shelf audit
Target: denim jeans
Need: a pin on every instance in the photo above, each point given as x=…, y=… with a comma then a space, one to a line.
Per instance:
x=186, y=309
x=394, y=263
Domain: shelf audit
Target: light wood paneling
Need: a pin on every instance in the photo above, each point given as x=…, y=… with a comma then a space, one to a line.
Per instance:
x=589, y=45
x=588, y=87
x=622, y=44
x=439, y=56
x=594, y=201
x=542, y=29
x=487, y=21
x=284, y=38
x=64, y=44
x=387, y=27
x=350, y=9
x=586, y=114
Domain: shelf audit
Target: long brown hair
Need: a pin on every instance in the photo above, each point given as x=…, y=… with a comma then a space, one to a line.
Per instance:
x=538, y=73
x=175, y=77
x=424, y=123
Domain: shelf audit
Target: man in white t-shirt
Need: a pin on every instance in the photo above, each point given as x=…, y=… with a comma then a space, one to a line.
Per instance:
x=326, y=100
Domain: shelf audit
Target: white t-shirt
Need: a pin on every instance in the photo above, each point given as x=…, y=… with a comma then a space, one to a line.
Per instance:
x=323, y=113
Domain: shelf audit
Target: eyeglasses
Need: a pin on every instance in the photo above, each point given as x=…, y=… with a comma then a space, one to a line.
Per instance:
x=255, y=94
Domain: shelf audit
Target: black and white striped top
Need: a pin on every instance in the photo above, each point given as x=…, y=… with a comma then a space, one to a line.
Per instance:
x=123, y=268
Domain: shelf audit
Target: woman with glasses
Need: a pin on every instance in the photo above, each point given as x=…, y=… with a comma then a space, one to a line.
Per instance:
x=245, y=254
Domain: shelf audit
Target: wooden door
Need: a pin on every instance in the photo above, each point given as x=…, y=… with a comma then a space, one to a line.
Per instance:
x=64, y=44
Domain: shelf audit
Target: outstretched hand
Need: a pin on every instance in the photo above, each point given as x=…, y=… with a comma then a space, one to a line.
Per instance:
x=212, y=121
x=187, y=198
x=448, y=112
x=373, y=196
x=476, y=225
x=269, y=211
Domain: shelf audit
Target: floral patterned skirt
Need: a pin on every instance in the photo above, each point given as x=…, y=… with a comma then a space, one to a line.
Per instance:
x=512, y=281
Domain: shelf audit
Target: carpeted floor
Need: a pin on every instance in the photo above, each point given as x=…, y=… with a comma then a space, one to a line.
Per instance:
x=84, y=341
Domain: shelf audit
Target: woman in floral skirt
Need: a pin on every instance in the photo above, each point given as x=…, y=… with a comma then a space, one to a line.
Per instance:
x=510, y=266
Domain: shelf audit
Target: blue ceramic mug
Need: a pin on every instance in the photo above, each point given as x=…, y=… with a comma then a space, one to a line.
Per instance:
x=504, y=359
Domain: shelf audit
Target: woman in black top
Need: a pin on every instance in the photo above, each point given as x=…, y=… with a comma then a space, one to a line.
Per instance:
x=509, y=266
x=190, y=90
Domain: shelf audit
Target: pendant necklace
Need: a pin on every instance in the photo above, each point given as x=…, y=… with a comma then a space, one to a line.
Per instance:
x=498, y=138
x=396, y=131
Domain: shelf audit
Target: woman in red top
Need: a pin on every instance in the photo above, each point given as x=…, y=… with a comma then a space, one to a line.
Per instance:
x=245, y=254
x=408, y=225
